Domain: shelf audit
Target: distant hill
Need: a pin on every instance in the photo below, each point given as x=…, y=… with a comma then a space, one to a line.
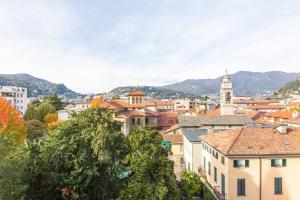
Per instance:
x=36, y=86
x=291, y=87
x=245, y=83
x=155, y=92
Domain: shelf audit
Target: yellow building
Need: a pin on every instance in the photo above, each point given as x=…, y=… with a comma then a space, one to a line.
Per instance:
x=253, y=163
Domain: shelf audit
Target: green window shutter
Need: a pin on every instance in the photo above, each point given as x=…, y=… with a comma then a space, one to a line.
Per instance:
x=284, y=162
x=246, y=163
x=234, y=163
x=272, y=163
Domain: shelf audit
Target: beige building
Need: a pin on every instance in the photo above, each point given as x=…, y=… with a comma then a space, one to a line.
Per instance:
x=253, y=163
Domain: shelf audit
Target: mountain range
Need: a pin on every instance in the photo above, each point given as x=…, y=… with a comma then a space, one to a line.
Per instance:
x=245, y=83
x=36, y=86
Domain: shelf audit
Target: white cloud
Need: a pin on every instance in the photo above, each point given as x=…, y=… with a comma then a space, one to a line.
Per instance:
x=94, y=46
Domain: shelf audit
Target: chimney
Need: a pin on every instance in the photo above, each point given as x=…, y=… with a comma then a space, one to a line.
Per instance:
x=283, y=129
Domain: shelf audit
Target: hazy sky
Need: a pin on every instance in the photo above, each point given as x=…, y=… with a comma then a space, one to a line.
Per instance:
x=96, y=45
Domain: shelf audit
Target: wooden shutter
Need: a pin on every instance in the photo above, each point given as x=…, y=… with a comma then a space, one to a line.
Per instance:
x=246, y=163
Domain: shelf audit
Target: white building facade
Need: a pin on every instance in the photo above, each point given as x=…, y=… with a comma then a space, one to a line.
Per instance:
x=17, y=96
x=226, y=94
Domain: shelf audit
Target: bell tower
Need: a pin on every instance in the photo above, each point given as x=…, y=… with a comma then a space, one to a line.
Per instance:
x=226, y=94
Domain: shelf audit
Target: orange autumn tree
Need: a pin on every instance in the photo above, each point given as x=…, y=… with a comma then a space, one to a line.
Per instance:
x=96, y=102
x=11, y=121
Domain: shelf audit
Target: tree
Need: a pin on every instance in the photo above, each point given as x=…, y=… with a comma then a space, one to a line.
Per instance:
x=35, y=129
x=50, y=117
x=55, y=101
x=43, y=110
x=13, y=163
x=96, y=102
x=81, y=159
x=190, y=185
x=11, y=121
x=152, y=173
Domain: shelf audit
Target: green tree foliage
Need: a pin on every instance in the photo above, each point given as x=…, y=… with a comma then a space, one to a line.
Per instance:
x=39, y=112
x=13, y=163
x=190, y=185
x=35, y=129
x=82, y=159
x=55, y=101
x=152, y=175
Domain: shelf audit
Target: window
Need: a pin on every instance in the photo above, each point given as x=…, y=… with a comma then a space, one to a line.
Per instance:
x=133, y=121
x=215, y=174
x=217, y=155
x=241, y=187
x=223, y=160
x=139, y=121
x=209, y=168
x=222, y=184
x=278, y=185
x=146, y=121
x=278, y=162
x=240, y=163
x=204, y=164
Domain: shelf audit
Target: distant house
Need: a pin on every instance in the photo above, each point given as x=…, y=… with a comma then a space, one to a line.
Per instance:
x=214, y=123
x=16, y=96
x=192, y=148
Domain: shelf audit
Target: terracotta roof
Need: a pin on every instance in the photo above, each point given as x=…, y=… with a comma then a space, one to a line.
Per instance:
x=164, y=103
x=255, y=142
x=255, y=101
x=123, y=105
x=215, y=112
x=284, y=114
x=159, y=103
x=167, y=119
x=293, y=104
x=254, y=115
x=266, y=107
x=129, y=113
x=293, y=121
x=174, y=138
x=136, y=93
x=150, y=113
x=172, y=128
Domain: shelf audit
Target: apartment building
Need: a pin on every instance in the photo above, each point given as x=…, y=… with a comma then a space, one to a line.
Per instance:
x=252, y=163
x=17, y=96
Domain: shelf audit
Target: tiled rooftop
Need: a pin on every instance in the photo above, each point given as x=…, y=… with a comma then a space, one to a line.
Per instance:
x=255, y=142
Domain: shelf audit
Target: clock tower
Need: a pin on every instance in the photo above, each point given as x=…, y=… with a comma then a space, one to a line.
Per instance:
x=226, y=94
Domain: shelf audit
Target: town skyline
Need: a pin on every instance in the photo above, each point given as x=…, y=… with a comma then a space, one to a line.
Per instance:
x=153, y=43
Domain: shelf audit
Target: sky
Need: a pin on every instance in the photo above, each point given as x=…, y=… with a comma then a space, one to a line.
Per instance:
x=97, y=45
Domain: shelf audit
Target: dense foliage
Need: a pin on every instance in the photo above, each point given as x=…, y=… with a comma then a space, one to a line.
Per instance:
x=88, y=157
x=291, y=87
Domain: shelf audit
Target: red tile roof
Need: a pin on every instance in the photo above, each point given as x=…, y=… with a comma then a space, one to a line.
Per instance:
x=284, y=114
x=255, y=142
x=136, y=93
x=174, y=138
x=254, y=102
x=172, y=128
x=266, y=107
x=167, y=119
x=293, y=104
x=129, y=113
